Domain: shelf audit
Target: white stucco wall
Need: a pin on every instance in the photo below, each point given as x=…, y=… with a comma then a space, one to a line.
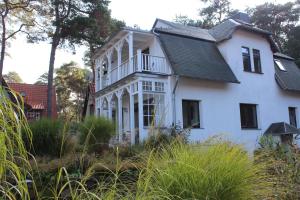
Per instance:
x=219, y=107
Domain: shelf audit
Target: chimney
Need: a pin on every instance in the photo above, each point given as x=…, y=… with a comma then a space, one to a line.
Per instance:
x=241, y=16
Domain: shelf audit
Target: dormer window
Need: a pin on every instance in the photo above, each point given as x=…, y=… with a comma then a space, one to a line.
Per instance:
x=280, y=65
x=246, y=59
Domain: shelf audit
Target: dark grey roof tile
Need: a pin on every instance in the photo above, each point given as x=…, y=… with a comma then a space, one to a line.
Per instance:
x=196, y=58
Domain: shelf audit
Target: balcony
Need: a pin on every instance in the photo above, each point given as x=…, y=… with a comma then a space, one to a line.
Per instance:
x=138, y=63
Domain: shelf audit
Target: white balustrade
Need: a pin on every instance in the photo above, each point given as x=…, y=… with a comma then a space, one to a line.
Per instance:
x=140, y=62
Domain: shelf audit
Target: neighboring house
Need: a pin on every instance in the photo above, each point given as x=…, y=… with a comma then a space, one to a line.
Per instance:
x=227, y=80
x=35, y=100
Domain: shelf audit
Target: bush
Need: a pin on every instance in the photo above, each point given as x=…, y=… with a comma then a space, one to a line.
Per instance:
x=50, y=137
x=161, y=138
x=95, y=133
x=219, y=171
x=283, y=167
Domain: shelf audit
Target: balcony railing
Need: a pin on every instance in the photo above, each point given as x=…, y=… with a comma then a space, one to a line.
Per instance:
x=138, y=63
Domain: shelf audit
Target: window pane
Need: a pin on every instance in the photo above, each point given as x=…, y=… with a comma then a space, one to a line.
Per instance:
x=257, y=61
x=152, y=109
x=248, y=116
x=190, y=112
x=292, y=115
x=246, y=59
x=280, y=65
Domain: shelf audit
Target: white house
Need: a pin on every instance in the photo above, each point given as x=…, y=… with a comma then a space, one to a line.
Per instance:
x=227, y=80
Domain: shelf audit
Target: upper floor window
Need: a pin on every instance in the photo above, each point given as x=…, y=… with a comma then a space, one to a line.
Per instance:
x=246, y=59
x=248, y=66
x=248, y=114
x=257, y=61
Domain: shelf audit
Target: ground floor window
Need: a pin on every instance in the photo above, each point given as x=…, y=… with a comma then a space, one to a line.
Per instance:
x=33, y=115
x=190, y=114
x=293, y=116
x=248, y=114
x=153, y=105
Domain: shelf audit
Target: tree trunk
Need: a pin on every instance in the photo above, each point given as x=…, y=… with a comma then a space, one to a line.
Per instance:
x=55, y=43
x=3, y=45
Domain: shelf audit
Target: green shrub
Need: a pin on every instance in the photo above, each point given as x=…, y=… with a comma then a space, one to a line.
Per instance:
x=95, y=133
x=218, y=171
x=50, y=138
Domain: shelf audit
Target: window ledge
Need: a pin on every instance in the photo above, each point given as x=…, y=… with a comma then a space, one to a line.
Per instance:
x=253, y=129
x=253, y=72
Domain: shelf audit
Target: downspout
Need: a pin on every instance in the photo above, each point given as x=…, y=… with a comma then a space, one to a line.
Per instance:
x=174, y=99
x=174, y=89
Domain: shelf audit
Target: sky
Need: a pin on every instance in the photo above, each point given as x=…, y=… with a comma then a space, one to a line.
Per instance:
x=32, y=60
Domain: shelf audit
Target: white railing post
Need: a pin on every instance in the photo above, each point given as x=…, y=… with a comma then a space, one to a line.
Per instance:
x=130, y=46
x=139, y=60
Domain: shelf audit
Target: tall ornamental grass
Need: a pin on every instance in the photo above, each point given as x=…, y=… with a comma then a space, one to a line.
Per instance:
x=14, y=165
x=206, y=171
x=49, y=138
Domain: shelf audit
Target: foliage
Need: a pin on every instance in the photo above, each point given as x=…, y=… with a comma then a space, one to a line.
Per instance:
x=49, y=137
x=16, y=16
x=14, y=166
x=279, y=19
x=71, y=82
x=160, y=138
x=185, y=20
x=206, y=171
x=95, y=133
x=215, y=12
x=283, y=167
x=292, y=46
x=42, y=80
x=12, y=77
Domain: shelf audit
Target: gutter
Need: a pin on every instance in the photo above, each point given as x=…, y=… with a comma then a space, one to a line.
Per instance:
x=174, y=100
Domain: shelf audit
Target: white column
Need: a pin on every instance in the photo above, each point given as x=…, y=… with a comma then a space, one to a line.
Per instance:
x=109, y=107
x=109, y=55
x=141, y=117
x=100, y=73
x=131, y=115
x=139, y=60
x=130, y=45
x=120, y=117
x=119, y=51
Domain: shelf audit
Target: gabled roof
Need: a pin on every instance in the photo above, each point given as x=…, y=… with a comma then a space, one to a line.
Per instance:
x=225, y=30
x=282, y=128
x=35, y=96
x=195, y=58
x=181, y=29
x=290, y=78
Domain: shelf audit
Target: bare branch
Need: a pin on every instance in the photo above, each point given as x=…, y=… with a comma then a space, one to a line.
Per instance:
x=17, y=31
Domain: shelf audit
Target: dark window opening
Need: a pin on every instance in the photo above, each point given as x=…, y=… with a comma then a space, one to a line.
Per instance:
x=292, y=115
x=246, y=59
x=190, y=114
x=257, y=61
x=248, y=116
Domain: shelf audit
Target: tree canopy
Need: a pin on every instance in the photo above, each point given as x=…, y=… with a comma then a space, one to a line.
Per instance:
x=12, y=77
x=71, y=82
x=279, y=19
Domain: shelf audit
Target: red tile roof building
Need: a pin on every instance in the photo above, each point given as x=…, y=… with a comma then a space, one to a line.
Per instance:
x=35, y=99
